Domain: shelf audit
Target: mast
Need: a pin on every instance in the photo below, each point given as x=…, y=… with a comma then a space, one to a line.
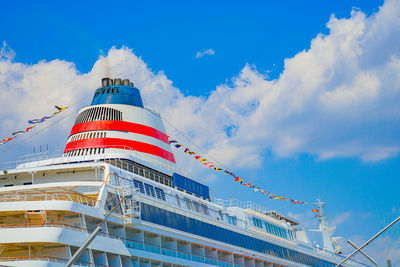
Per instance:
x=329, y=242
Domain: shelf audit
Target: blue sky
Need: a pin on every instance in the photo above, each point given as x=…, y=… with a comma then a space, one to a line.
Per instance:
x=298, y=97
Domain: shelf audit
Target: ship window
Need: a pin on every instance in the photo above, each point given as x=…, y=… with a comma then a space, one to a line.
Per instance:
x=27, y=183
x=149, y=190
x=8, y=185
x=196, y=206
x=102, y=91
x=232, y=220
x=108, y=90
x=221, y=216
x=160, y=193
x=257, y=223
x=112, y=91
x=205, y=209
x=137, y=184
x=188, y=203
x=117, y=90
x=178, y=201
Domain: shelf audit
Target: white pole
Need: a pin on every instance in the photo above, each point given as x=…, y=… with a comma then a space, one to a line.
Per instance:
x=369, y=241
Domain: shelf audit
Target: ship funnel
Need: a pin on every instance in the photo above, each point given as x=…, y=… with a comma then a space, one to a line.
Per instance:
x=116, y=122
x=117, y=81
x=105, y=82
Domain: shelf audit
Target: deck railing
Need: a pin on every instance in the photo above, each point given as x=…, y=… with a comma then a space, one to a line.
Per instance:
x=133, y=244
x=241, y=204
x=67, y=196
x=49, y=259
x=59, y=225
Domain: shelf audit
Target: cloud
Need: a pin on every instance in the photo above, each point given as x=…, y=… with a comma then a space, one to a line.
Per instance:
x=209, y=52
x=339, y=98
x=340, y=218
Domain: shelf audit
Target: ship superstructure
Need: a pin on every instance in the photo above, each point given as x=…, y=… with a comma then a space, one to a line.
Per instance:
x=119, y=148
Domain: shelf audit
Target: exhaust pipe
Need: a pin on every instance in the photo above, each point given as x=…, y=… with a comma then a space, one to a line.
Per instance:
x=105, y=82
x=117, y=81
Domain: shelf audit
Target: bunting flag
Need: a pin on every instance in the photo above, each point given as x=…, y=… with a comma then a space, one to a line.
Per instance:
x=315, y=210
x=214, y=167
x=27, y=129
x=35, y=122
x=238, y=179
x=18, y=132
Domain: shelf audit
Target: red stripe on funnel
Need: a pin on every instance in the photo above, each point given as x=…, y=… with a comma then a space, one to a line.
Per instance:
x=121, y=144
x=122, y=126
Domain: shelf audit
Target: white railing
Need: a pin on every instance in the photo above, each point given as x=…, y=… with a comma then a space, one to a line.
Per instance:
x=241, y=204
x=75, y=197
x=57, y=157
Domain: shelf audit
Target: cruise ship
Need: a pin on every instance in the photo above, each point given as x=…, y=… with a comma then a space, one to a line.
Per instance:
x=118, y=170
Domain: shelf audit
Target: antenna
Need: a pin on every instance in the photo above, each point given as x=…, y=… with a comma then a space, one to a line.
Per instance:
x=327, y=232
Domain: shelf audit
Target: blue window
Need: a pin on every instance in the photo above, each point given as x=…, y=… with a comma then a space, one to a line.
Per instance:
x=257, y=222
x=291, y=235
x=138, y=185
x=232, y=220
x=149, y=190
x=160, y=193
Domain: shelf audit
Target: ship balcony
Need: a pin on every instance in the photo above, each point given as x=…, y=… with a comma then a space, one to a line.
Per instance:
x=36, y=254
x=174, y=253
x=48, y=196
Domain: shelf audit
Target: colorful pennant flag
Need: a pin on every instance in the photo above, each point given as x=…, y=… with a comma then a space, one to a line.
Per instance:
x=213, y=166
x=34, y=122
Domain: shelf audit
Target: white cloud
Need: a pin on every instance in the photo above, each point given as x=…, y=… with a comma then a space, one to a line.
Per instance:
x=339, y=98
x=209, y=52
x=341, y=218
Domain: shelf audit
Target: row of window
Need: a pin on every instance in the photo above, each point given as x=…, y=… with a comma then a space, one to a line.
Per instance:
x=85, y=151
x=88, y=135
x=142, y=171
x=176, y=221
x=149, y=189
x=193, y=205
x=111, y=90
x=99, y=114
x=272, y=229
